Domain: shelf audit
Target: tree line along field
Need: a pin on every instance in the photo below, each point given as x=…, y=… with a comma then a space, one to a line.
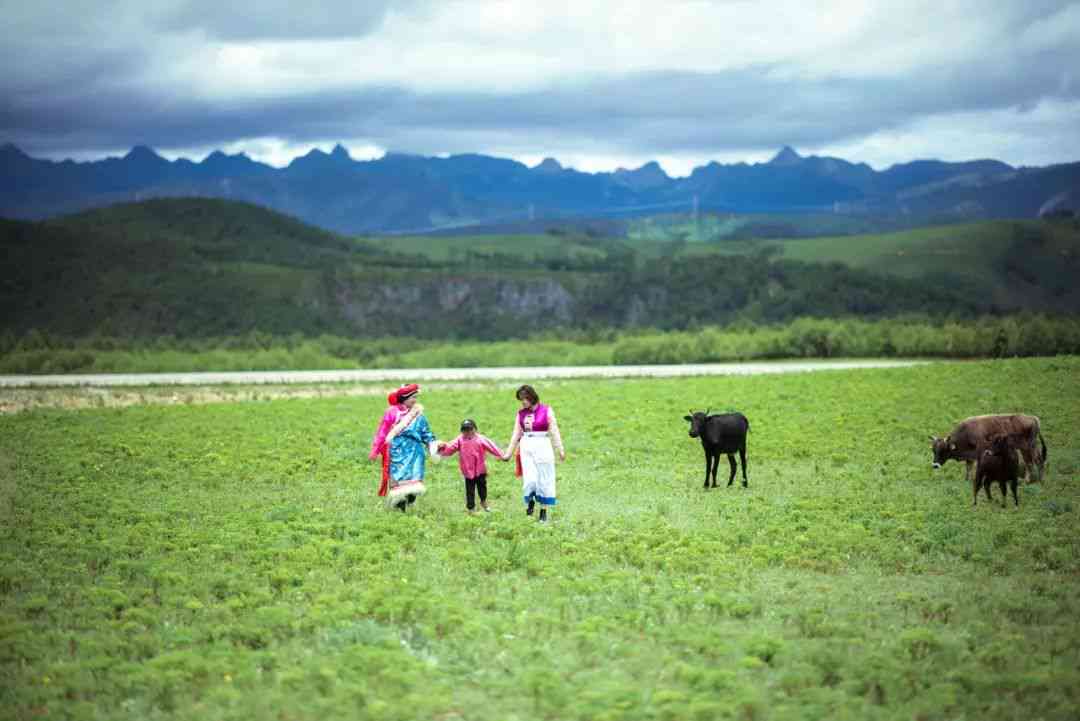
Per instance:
x=231, y=561
x=915, y=337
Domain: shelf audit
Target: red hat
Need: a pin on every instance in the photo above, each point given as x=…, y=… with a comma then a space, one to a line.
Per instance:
x=403, y=393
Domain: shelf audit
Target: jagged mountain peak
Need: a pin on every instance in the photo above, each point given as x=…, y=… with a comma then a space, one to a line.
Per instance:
x=315, y=158
x=220, y=162
x=651, y=167
x=12, y=149
x=786, y=156
x=649, y=175
x=549, y=165
x=142, y=153
x=233, y=156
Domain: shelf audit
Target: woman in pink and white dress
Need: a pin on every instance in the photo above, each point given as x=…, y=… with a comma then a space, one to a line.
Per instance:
x=537, y=433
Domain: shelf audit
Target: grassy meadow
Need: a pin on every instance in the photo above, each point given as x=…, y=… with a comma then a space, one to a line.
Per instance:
x=979, y=252
x=909, y=252
x=231, y=560
x=966, y=249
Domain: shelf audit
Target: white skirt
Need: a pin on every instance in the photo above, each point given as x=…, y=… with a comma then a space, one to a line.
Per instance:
x=537, y=469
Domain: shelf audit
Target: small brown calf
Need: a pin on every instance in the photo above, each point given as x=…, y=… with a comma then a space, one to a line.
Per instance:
x=997, y=462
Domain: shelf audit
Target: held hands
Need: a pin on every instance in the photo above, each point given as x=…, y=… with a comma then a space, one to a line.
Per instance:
x=562, y=455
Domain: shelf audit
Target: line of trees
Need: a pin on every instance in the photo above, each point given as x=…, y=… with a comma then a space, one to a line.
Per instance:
x=912, y=337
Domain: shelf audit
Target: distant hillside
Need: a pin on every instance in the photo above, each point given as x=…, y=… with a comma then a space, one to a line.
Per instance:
x=1013, y=264
x=408, y=193
x=210, y=268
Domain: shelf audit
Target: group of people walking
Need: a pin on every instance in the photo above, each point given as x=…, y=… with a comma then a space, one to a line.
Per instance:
x=404, y=440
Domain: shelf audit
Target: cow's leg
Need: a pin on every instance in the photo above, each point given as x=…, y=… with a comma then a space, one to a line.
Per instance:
x=731, y=461
x=978, y=482
x=1028, y=453
x=986, y=487
x=708, y=464
x=742, y=462
x=1004, y=492
x=715, y=467
x=967, y=471
x=1014, y=483
x=1040, y=457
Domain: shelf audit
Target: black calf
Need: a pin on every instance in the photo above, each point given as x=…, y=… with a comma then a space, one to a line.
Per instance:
x=720, y=433
x=997, y=463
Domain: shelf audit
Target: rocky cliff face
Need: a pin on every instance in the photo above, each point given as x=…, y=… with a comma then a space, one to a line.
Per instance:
x=421, y=303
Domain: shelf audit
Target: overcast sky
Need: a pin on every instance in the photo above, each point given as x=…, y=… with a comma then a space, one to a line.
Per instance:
x=595, y=84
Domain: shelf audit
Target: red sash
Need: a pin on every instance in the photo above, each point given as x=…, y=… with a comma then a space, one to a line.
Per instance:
x=384, y=486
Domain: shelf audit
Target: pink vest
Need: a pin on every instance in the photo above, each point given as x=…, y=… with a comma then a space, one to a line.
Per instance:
x=540, y=417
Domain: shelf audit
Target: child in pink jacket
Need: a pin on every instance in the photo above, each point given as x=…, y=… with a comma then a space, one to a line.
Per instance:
x=472, y=447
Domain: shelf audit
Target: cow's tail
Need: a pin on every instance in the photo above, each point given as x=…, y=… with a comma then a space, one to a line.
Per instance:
x=1045, y=452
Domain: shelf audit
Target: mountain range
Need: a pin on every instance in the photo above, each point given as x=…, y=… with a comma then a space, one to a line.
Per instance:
x=411, y=193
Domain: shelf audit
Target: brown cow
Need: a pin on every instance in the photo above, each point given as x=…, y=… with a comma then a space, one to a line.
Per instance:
x=974, y=433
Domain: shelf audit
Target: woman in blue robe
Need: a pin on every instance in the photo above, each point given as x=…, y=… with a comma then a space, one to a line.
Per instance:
x=404, y=439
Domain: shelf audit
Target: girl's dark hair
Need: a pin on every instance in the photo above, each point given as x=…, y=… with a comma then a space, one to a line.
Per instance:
x=528, y=393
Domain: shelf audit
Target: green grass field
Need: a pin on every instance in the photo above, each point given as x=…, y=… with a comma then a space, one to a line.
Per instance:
x=231, y=561
x=964, y=249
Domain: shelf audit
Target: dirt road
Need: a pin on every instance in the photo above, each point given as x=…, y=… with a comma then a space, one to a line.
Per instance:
x=440, y=374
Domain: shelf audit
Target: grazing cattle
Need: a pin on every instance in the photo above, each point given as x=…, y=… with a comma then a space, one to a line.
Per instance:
x=997, y=462
x=965, y=441
x=720, y=433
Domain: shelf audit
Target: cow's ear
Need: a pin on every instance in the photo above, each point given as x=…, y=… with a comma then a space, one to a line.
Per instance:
x=687, y=418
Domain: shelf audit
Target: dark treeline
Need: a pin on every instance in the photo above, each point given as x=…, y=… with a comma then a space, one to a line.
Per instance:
x=909, y=337
x=677, y=293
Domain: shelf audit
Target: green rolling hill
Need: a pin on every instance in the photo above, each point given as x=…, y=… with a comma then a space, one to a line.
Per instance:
x=212, y=268
x=1020, y=264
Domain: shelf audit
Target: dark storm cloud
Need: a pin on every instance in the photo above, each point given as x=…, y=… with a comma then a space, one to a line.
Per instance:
x=279, y=19
x=667, y=112
x=100, y=97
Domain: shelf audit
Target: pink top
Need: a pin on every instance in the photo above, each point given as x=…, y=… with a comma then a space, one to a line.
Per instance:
x=389, y=420
x=471, y=461
x=539, y=418
x=535, y=418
